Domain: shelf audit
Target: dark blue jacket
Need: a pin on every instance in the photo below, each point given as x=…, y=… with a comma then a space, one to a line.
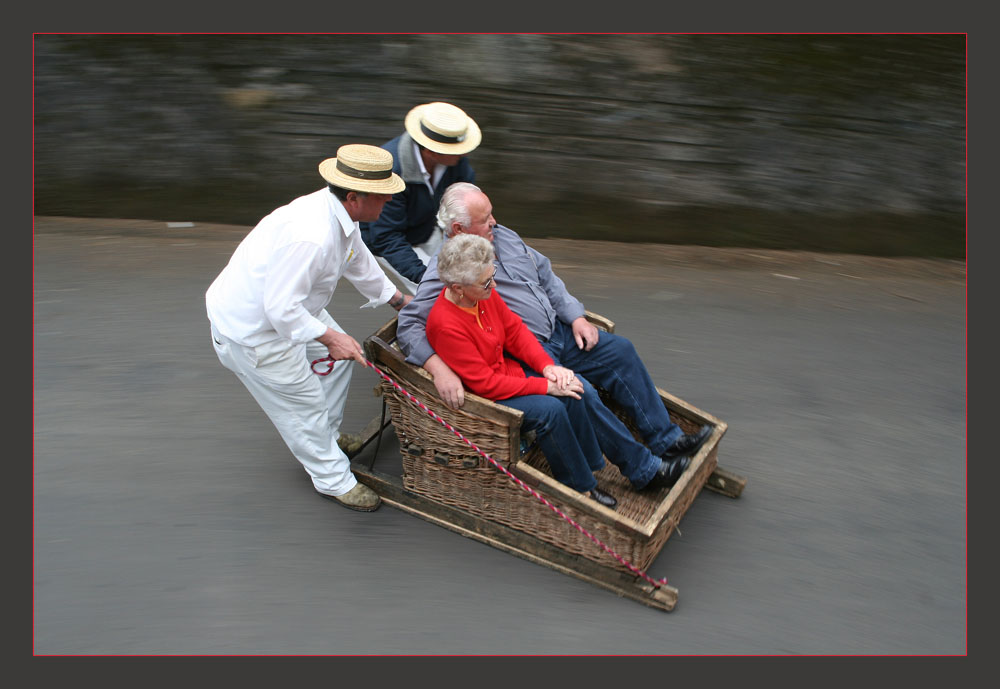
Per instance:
x=412, y=213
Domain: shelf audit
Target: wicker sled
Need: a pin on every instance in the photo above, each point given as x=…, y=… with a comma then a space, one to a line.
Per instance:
x=447, y=482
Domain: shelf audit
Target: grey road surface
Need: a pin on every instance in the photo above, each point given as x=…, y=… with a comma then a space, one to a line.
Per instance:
x=169, y=518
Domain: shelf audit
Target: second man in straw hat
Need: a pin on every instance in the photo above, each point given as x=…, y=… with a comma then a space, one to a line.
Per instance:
x=429, y=156
x=269, y=320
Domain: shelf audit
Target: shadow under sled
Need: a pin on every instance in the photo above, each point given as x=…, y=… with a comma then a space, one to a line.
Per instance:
x=445, y=481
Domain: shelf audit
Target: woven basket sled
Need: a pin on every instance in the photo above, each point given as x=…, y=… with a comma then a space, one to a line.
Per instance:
x=444, y=469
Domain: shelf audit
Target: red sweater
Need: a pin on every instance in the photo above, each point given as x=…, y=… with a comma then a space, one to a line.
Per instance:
x=476, y=355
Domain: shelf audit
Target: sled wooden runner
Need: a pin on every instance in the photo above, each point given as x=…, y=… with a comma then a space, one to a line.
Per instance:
x=446, y=482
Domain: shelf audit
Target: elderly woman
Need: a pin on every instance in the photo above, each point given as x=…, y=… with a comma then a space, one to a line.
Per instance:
x=472, y=329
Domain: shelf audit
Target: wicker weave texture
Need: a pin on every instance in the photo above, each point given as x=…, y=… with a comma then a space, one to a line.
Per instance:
x=416, y=428
x=440, y=466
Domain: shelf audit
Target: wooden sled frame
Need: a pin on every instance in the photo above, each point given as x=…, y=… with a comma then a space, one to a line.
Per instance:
x=703, y=472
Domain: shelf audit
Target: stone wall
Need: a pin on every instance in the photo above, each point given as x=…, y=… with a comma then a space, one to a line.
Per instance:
x=830, y=143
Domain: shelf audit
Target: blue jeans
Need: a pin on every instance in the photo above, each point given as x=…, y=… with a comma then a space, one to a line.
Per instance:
x=564, y=433
x=614, y=365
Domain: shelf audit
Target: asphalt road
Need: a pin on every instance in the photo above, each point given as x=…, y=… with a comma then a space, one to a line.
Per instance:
x=169, y=518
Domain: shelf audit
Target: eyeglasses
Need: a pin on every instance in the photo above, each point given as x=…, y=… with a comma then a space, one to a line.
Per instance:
x=486, y=285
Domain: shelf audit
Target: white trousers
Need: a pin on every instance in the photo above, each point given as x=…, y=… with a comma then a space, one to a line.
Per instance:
x=423, y=251
x=306, y=408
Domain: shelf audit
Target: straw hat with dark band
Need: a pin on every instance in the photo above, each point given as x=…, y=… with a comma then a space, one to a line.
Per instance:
x=360, y=167
x=443, y=128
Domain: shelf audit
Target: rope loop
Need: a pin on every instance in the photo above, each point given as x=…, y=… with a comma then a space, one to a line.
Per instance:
x=328, y=360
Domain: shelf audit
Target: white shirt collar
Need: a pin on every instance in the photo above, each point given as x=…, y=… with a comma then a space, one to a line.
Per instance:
x=346, y=223
x=428, y=179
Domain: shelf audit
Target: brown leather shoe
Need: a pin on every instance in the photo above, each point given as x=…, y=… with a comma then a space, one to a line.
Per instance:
x=350, y=443
x=360, y=498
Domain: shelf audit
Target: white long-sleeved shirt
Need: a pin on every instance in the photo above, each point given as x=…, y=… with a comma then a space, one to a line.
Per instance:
x=286, y=270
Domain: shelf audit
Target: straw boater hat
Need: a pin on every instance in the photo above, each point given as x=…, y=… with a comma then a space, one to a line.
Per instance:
x=360, y=167
x=443, y=128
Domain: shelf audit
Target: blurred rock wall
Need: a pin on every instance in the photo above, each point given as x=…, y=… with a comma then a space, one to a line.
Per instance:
x=834, y=143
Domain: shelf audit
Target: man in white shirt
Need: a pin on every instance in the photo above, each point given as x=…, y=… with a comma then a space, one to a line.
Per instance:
x=268, y=312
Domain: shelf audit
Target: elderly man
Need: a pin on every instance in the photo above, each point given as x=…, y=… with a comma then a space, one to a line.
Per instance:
x=268, y=312
x=429, y=156
x=525, y=280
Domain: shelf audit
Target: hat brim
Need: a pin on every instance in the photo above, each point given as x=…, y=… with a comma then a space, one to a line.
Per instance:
x=473, y=135
x=390, y=185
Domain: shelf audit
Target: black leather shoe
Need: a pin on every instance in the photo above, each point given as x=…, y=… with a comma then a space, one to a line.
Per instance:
x=603, y=498
x=688, y=444
x=670, y=470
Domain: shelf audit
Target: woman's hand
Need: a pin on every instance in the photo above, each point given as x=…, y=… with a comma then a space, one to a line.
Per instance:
x=559, y=375
x=562, y=382
x=448, y=384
